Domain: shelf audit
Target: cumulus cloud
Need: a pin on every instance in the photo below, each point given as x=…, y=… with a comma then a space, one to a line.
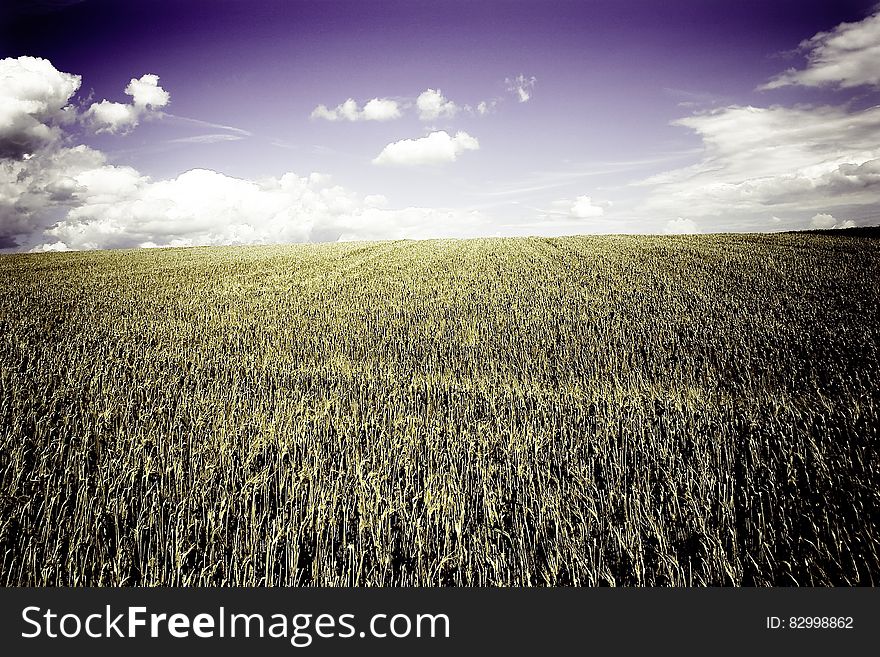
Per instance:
x=147, y=96
x=34, y=99
x=584, y=208
x=436, y=148
x=681, y=226
x=347, y=111
x=381, y=109
x=108, y=116
x=826, y=221
x=36, y=190
x=778, y=157
x=377, y=109
x=120, y=208
x=846, y=56
x=47, y=248
x=433, y=105
x=146, y=92
x=521, y=86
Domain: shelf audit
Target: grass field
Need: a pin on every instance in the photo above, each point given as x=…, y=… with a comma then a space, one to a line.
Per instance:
x=607, y=410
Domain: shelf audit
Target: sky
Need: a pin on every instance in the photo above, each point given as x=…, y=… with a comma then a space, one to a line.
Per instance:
x=168, y=123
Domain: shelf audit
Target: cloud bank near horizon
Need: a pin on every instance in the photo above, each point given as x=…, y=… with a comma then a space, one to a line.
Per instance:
x=798, y=160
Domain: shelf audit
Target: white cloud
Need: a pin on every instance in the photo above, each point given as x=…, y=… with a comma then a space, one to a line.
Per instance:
x=108, y=116
x=381, y=109
x=46, y=248
x=777, y=157
x=34, y=191
x=377, y=109
x=826, y=221
x=146, y=92
x=681, y=226
x=584, y=208
x=106, y=185
x=521, y=86
x=436, y=148
x=846, y=56
x=347, y=111
x=147, y=97
x=433, y=105
x=118, y=208
x=33, y=104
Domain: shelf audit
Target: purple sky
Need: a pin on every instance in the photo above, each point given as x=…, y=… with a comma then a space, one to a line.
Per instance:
x=596, y=146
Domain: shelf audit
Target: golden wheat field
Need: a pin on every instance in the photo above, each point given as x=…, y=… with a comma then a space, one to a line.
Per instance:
x=698, y=410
